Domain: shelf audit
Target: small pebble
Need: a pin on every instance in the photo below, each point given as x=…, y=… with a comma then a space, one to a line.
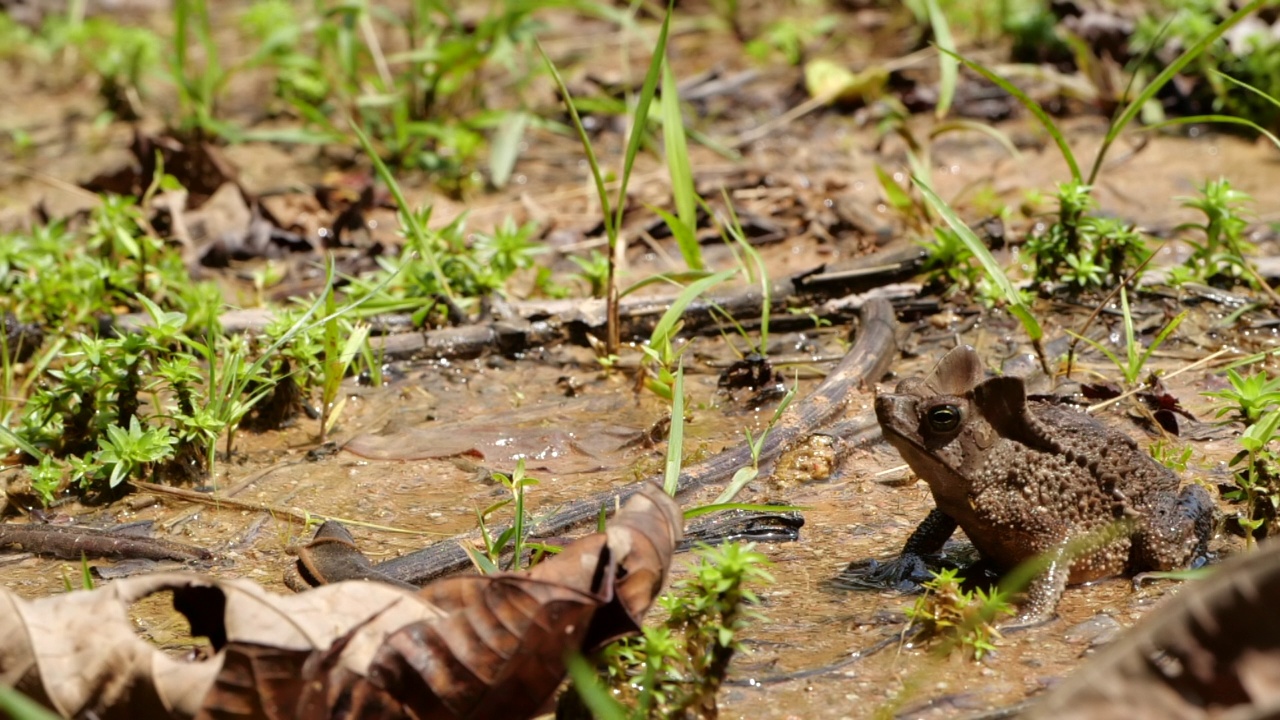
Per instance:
x=1098, y=630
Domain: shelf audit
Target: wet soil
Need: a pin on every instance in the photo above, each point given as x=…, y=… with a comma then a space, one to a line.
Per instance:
x=815, y=178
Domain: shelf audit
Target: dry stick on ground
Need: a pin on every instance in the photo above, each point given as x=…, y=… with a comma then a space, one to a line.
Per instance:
x=231, y=491
x=223, y=501
x=544, y=322
x=866, y=361
x=278, y=510
x=72, y=543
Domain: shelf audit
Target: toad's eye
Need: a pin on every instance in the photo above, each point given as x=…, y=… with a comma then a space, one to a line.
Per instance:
x=944, y=418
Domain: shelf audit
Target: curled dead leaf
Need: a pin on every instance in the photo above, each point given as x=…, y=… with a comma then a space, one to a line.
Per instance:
x=464, y=647
x=499, y=651
x=1211, y=651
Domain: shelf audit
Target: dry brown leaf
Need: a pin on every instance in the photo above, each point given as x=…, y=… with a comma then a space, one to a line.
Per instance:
x=77, y=653
x=1211, y=651
x=464, y=647
x=499, y=651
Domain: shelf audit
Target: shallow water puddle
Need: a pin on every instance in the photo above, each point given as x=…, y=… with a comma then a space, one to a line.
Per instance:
x=478, y=404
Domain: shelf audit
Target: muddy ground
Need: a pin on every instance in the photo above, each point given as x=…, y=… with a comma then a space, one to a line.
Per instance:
x=814, y=180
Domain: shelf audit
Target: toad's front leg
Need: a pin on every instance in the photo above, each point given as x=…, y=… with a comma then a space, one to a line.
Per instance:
x=907, y=571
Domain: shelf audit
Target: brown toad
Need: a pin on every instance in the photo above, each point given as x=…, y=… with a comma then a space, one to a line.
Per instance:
x=1024, y=477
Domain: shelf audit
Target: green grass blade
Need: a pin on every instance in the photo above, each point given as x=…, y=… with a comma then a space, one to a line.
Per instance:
x=682, y=190
x=686, y=296
x=1134, y=368
x=412, y=226
x=86, y=575
x=686, y=238
x=290, y=136
x=609, y=228
x=758, y=273
x=988, y=130
x=1163, y=335
x=602, y=705
x=893, y=191
x=1017, y=305
x=948, y=68
x=1115, y=359
x=21, y=443
x=14, y=704
x=1135, y=106
x=675, y=437
x=354, y=342
x=504, y=150
x=1224, y=119
x=676, y=278
x=1032, y=106
x=640, y=118
x=1240, y=83
x=701, y=510
x=740, y=479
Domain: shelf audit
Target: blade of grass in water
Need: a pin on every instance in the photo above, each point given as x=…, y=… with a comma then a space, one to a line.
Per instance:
x=675, y=437
x=1224, y=119
x=599, y=702
x=682, y=190
x=673, y=314
x=1017, y=305
x=14, y=704
x=1135, y=106
x=948, y=68
x=701, y=510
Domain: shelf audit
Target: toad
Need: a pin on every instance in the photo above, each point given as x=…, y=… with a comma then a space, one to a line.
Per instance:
x=1026, y=477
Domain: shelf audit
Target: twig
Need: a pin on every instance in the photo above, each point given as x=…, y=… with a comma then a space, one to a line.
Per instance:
x=75, y=542
x=231, y=491
x=1202, y=361
x=303, y=516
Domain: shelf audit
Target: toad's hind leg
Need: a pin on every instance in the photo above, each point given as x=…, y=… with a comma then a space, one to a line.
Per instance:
x=1201, y=514
x=1175, y=532
x=1041, y=601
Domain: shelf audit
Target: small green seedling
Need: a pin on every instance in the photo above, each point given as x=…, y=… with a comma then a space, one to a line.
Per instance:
x=1255, y=401
x=1220, y=254
x=678, y=667
x=1135, y=355
x=1249, y=397
x=514, y=536
x=1175, y=456
x=961, y=619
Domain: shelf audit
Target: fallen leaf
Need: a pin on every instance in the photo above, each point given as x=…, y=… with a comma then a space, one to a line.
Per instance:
x=1213, y=650
x=499, y=649
x=466, y=647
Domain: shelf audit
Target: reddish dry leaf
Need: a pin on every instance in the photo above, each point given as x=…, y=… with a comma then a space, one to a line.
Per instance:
x=256, y=681
x=499, y=651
